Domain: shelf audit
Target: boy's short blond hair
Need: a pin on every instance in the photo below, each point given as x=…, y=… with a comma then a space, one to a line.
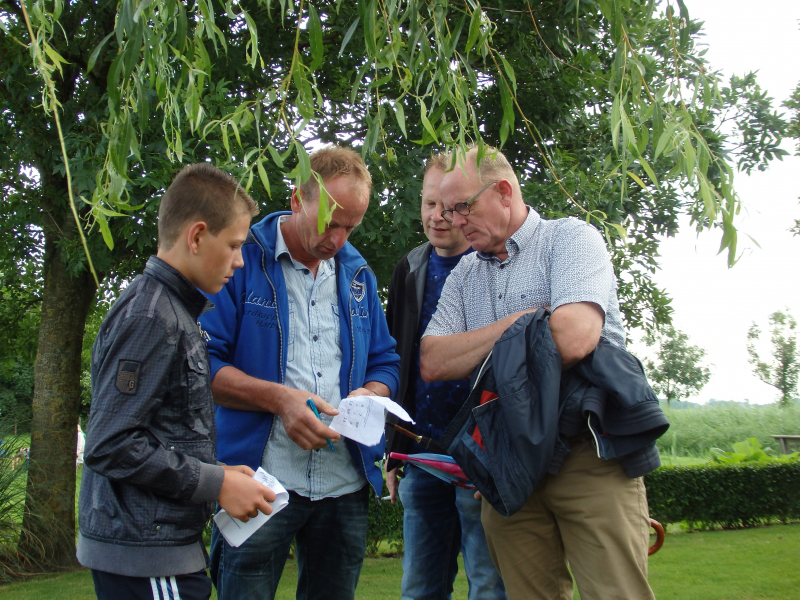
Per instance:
x=334, y=161
x=201, y=192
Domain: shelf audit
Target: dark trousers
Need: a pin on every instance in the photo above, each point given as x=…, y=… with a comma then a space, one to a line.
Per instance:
x=192, y=586
x=331, y=541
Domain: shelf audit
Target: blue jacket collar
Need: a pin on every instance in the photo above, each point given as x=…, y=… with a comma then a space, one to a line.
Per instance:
x=264, y=233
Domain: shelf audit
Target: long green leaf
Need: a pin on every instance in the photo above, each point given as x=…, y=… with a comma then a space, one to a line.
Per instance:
x=423, y=115
x=96, y=52
x=400, y=115
x=262, y=174
x=315, y=38
x=649, y=170
x=509, y=73
x=303, y=162
x=474, y=28
x=276, y=157
x=350, y=31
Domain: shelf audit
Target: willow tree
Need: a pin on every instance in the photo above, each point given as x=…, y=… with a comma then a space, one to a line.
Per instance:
x=606, y=108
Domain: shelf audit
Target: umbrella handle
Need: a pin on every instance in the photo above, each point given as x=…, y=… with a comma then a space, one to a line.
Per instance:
x=659, y=529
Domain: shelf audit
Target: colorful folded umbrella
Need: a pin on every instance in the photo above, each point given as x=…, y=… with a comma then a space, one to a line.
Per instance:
x=438, y=465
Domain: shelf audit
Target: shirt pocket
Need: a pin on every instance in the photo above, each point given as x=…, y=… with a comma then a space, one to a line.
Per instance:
x=292, y=332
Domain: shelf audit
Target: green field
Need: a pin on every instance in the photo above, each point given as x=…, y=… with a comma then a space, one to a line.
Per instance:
x=747, y=564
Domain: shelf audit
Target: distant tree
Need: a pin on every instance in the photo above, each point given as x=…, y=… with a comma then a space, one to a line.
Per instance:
x=678, y=372
x=793, y=131
x=782, y=372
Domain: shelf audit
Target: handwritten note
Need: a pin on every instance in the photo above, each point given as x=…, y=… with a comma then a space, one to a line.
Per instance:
x=235, y=531
x=362, y=418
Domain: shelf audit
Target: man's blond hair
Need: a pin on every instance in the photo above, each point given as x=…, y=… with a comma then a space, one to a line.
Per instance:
x=334, y=161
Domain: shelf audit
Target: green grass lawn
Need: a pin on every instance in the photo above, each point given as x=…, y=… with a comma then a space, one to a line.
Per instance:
x=747, y=564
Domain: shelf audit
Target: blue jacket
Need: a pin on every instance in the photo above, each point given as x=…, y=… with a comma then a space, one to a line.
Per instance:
x=524, y=429
x=249, y=330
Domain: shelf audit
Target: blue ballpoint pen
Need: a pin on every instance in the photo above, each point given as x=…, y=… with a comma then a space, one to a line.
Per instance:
x=313, y=407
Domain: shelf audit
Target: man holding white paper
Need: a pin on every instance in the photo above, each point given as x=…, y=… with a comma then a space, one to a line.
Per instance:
x=302, y=319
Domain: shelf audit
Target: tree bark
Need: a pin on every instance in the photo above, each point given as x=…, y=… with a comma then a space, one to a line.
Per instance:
x=48, y=530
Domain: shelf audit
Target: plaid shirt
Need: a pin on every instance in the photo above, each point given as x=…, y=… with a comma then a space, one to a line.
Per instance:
x=550, y=263
x=151, y=475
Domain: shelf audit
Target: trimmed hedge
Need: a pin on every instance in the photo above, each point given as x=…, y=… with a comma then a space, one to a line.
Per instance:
x=385, y=524
x=726, y=496
x=704, y=496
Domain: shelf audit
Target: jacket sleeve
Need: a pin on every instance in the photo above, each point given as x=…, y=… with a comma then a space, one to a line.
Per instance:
x=394, y=311
x=119, y=443
x=383, y=363
x=394, y=305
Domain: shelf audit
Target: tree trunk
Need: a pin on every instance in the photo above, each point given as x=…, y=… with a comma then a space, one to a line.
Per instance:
x=48, y=529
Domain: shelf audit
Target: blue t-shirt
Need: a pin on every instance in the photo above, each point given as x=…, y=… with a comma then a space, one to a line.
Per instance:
x=436, y=402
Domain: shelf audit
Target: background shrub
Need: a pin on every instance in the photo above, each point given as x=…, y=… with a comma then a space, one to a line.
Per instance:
x=725, y=496
x=385, y=524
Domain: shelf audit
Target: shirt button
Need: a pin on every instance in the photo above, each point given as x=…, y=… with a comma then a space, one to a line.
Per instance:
x=158, y=527
x=319, y=374
x=500, y=297
x=306, y=271
x=313, y=303
x=315, y=338
x=172, y=447
x=502, y=266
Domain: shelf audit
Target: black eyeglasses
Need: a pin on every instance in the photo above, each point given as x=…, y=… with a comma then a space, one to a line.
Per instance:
x=463, y=208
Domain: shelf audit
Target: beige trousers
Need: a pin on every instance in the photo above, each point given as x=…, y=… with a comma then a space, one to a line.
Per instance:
x=589, y=516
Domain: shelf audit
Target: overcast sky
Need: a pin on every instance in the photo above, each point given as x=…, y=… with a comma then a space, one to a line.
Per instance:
x=715, y=305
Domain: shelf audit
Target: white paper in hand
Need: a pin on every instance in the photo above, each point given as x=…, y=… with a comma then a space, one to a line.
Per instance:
x=235, y=531
x=363, y=418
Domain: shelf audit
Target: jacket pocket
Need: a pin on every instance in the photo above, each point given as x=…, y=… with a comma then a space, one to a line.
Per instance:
x=515, y=454
x=198, y=384
x=181, y=520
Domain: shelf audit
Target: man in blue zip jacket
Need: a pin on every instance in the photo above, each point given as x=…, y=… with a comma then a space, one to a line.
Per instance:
x=302, y=319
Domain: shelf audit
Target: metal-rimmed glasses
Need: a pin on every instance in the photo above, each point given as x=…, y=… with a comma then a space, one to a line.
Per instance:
x=463, y=208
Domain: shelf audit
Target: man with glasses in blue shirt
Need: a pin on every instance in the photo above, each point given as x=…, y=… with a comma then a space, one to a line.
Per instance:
x=439, y=519
x=589, y=515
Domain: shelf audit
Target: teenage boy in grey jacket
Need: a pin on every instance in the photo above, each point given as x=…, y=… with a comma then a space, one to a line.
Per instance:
x=150, y=476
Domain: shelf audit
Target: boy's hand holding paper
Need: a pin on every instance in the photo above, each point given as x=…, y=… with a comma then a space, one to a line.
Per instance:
x=236, y=531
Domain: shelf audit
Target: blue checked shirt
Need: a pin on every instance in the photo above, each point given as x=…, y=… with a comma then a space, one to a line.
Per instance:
x=313, y=362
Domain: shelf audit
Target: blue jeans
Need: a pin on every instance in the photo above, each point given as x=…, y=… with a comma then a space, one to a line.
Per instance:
x=440, y=520
x=331, y=542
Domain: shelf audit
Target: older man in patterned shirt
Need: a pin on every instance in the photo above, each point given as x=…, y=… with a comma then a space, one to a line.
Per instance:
x=590, y=514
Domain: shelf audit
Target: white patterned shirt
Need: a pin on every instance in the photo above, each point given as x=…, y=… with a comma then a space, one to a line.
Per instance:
x=550, y=263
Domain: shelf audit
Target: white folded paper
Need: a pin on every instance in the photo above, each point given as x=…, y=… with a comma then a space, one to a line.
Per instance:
x=235, y=531
x=363, y=418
